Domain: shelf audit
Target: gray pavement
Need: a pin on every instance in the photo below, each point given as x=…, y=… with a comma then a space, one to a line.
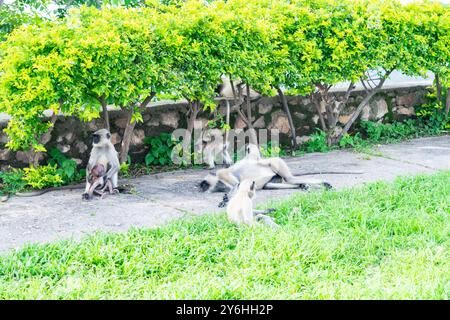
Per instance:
x=165, y=196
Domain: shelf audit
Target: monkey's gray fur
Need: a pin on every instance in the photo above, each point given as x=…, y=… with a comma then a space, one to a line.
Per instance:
x=103, y=153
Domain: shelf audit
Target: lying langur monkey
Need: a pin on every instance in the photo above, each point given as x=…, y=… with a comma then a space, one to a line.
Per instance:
x=240, y=206
x=270, y=173
x=102, y=153
x=213, y=146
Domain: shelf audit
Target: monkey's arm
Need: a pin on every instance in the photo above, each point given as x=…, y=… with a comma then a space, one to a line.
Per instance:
x=266, y=211
x=227, y=177
x=88, y=185
x=112, y=173
x=89, y=177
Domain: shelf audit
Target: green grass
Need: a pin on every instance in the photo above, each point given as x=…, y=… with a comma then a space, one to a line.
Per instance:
x=380, y=241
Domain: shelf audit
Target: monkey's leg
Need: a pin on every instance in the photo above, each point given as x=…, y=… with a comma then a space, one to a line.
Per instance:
x=89, y=195
x=108, y=187
x=280, y=168
x=111, y=189
x=224, y=201
x=282, y=186
x=100, y=193
x=113, y=175
x=268, y=221
x=85, y=195
x=227, y=196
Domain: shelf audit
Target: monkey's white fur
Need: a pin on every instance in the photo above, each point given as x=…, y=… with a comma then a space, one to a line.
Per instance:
x=103, y=152
x=240, y=207
x=261, y=171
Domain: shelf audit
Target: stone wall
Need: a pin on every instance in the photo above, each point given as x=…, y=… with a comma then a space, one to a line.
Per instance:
x=72, y=137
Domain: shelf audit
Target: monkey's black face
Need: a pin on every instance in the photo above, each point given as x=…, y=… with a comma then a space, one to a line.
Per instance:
x=95, y=138
x=101, y=137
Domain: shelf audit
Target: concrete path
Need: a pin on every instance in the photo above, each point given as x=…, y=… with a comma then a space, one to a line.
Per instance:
x=165, y=196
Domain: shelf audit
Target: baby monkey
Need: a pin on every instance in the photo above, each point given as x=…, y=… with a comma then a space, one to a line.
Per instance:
x=240, y=206
x=99, y=183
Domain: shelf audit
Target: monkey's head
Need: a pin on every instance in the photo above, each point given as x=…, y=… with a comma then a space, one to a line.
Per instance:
x=101, y=138
x=98, y=170
x=212, y=184
x=96, y=173
x=248, y=186
x=252, y=152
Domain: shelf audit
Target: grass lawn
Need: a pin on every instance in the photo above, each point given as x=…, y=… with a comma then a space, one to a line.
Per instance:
x=383, y=240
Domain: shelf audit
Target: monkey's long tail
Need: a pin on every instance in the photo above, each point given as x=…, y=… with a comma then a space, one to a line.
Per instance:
x=122, y=189
x=41, y=192
x=326, y=172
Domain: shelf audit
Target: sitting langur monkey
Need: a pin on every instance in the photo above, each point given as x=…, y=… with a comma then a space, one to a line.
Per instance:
x=240, y=207
x=104, y=154
x=214, y=146
x=270, y=173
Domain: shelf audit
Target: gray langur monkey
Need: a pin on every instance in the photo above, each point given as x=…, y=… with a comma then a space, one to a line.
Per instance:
x=240, y=207
x=214, y=146
x=270, y=173
x=103, y=153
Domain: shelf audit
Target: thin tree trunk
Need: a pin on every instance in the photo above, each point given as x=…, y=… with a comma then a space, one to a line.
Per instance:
x=33, y=156
x=128, y=134
x=358, y=110
x=333, y=111
x=253, y=136
x=289, y=116
x=317, y=103
x=193, y=112
x=447, y=103
x=105, y=112
x=227, y=121
x=238, y=104
x=438, y=88
x=233, y=90
x=127, y=137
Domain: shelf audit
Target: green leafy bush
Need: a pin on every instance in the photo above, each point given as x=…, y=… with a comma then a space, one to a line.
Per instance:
x=77, y=65
x=397, y=131
x=317, y=142
x=218, y=122
x=42, y=177
x=388, y=132
x=67, y=168
x=267, y=150
x=432, y=117
x=351, y=141
x=160, y=149
x=12, y=181
x=124, y=169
